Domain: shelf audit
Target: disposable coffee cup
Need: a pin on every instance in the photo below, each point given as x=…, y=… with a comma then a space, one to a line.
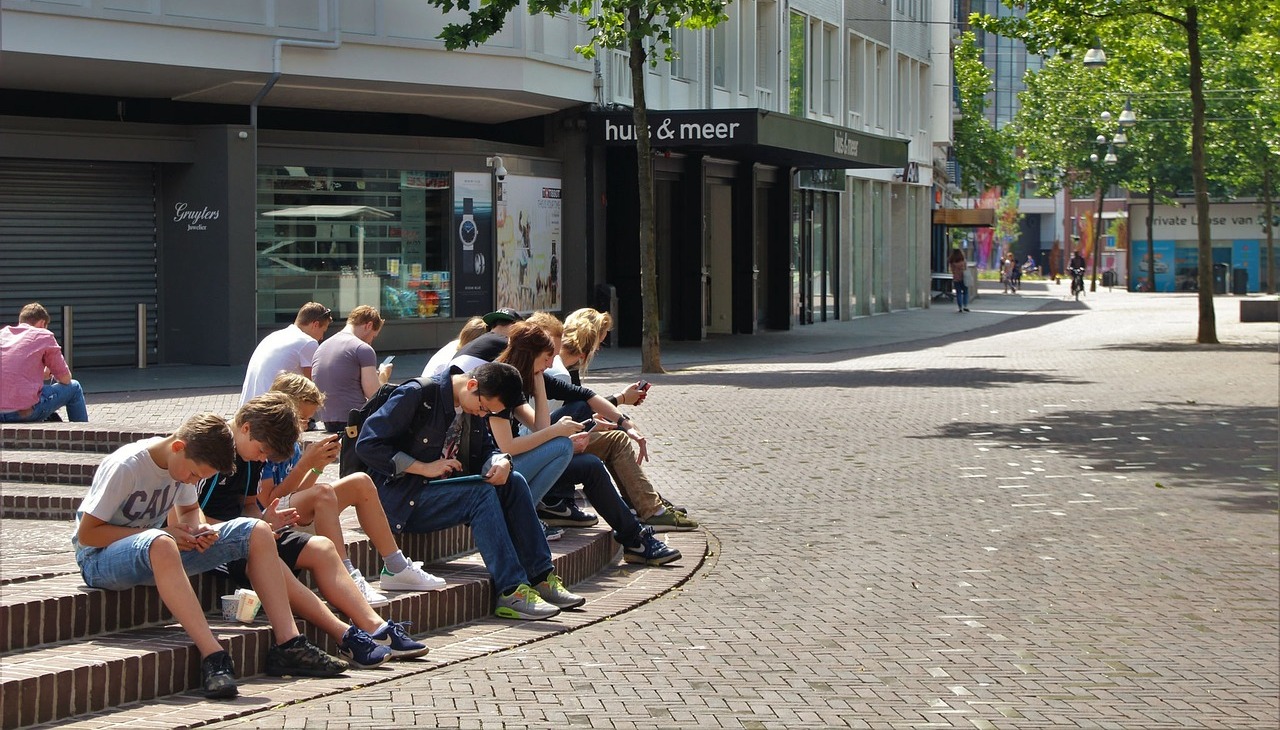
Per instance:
x=230, y=606
x=247, y=606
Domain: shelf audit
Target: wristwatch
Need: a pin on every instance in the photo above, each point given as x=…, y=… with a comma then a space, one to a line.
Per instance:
x=467, y=233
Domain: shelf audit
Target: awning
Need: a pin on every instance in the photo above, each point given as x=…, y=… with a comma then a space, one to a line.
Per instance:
x=350, y=212
x=753, y=134
x=959, y=217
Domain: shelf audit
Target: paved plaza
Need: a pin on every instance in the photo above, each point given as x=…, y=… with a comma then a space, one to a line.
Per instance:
x=1040, y=514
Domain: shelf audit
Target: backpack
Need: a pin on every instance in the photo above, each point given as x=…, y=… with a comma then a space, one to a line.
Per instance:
x=348, y=461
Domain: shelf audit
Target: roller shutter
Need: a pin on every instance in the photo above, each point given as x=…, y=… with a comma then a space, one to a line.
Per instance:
x=81, y=234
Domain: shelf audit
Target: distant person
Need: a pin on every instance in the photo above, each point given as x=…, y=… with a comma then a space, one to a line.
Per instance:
x=958, y=266
x=489, y=345
x=1007, y=267
x=289, y=350
x=29, y=353
x=346, y=369
x=439, y=362
x=1029, y=266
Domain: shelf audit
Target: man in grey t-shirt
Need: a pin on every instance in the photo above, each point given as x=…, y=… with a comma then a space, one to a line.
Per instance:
x=346, y=367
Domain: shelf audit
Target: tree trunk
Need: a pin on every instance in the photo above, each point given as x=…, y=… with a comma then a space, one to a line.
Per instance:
x=1151, y=244
x=1097, y=238
x=650, y=347
x=1208, y=332
x=1268, y=212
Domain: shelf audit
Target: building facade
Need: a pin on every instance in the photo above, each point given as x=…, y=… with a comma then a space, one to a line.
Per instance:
x=185, y=174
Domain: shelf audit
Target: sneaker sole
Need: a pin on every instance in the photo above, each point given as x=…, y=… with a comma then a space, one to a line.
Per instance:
x=669, y=528
x=393, y=587
x=505, y=612
x=294, y=672
x=565, y=606
x=655, y=562
x=351, y=660
x=406, y=653
x=554, y=536
x=567, y=522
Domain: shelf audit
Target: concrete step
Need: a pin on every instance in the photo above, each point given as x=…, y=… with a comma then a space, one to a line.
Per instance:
x=80, y=657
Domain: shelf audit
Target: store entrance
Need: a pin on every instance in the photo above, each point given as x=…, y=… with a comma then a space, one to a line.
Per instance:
x=815, y=241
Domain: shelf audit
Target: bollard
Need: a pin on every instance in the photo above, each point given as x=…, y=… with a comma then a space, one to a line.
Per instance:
x=66, y=334
x=142, y=336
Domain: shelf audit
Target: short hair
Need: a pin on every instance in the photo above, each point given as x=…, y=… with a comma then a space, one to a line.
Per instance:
x=209, y=441
x=471, y=330
x=298, y=387
x=313, y=312
x=499, y=380
x=365, y=314
x=32, y=313
x=273, y=420
x=549, y=323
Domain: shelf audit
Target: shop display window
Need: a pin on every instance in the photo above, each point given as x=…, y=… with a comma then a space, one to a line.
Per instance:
x=344, y=237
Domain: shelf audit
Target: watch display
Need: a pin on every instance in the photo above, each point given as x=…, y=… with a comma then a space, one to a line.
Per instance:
x=468, y=233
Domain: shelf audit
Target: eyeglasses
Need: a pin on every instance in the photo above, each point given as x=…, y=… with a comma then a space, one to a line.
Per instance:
x=326, y=314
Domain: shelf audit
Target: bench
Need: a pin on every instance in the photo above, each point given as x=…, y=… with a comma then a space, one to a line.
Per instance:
x=941, y=285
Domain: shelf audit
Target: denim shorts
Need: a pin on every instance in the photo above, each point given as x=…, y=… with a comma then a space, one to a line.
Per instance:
x=127, y=562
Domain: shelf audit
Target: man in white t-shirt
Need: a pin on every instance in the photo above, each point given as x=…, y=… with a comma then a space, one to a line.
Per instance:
x=289, y=350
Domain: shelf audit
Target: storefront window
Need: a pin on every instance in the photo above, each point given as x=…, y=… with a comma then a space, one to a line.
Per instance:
x=344, y=237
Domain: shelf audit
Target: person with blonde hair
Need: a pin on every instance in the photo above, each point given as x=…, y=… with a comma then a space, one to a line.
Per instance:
x=296, y=483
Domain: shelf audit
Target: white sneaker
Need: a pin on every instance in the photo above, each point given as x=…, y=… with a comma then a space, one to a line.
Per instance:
x=412, y=578
x=373, y=597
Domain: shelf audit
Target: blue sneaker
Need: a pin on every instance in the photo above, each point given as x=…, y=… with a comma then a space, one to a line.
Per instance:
x=358, y=648
x=394, y=637
x=552, y=533
x=650, y=551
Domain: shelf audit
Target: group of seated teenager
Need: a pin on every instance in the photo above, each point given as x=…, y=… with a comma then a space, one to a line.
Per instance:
x=230, y=496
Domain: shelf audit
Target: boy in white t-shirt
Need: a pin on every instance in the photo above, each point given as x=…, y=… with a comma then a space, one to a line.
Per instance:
x=121, y=541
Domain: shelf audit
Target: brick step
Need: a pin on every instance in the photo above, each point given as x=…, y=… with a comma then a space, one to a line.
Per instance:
x=52, y=603
x=65, y=678
x=39, y=501
x=49, y=467
x=87, y=437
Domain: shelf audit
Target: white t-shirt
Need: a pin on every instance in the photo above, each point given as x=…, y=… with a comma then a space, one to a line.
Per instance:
x=288, y=350
x=439, y=362
x=557, y=370
x=131, y=490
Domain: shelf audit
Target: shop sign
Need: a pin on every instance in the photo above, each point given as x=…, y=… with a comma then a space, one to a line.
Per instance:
x=680, y=129
x=821, y=179
x=194, y=219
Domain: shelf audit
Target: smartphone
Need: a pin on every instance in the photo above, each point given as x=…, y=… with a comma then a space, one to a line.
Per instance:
x=588, y=424
x=387, y=360
x=643, y=386
x=203, y=532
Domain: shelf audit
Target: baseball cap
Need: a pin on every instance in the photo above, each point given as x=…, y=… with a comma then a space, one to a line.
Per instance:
x=502, y=316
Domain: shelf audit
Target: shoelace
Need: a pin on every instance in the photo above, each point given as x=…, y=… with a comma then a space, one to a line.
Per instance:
x=399, y=628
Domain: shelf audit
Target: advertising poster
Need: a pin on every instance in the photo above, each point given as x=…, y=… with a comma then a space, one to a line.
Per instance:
x=1164, y=279
x=473, y=243
x=529, y=237
x=1245, y=255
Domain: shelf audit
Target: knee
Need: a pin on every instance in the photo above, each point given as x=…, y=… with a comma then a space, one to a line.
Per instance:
x=326, y=496
x=318, y=545
x=164, y=549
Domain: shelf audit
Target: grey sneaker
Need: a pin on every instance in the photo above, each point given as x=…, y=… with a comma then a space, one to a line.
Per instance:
x=553, y=591
x=298, y=657
x=525, y=603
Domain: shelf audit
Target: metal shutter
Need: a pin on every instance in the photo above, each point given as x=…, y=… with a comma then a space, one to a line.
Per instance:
x=81, y=234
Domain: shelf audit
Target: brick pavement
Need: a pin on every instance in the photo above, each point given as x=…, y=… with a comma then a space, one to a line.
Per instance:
x=1065, y=520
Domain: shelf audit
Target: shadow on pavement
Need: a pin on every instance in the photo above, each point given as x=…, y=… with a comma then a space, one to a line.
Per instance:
x=1226, y=453
x=974, y=378
x=1194, y=347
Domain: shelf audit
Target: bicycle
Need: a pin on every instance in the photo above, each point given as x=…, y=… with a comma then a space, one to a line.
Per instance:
x=1077, y=283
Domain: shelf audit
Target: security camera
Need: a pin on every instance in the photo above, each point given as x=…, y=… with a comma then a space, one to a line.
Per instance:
x=499, y=170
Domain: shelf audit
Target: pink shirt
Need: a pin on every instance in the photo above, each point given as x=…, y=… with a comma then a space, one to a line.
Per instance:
x=25, y=352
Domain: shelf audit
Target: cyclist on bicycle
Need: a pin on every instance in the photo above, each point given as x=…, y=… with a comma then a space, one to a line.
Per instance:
x=1076, y=267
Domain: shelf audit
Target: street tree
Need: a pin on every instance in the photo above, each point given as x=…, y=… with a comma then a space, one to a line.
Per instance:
x=1068, y=27
x=983, y=154
x=640, y=28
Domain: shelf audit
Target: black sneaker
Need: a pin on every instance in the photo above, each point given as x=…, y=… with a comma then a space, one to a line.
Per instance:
x=218, y=676
x=650, y=550
x=565, y=514
x=298, y=657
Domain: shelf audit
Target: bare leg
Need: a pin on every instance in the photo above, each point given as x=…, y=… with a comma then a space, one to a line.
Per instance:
x=319, y=504
x=357, y=490
x=179, y=597
x=267, y=574
x=321, y=558
x=308, y=606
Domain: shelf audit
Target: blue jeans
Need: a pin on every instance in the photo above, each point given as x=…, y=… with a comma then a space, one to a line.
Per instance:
x=503, y=524
x=591, y=473
x=543, y=465
x=578, y=410
x=127, y=562
x=962, y=294
x=52, y=397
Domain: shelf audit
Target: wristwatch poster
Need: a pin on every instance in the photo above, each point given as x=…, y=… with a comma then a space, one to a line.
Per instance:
x=468, y=233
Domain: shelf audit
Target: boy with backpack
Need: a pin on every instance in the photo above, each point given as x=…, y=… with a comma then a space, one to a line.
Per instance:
x=427, y=432
x=121, y=541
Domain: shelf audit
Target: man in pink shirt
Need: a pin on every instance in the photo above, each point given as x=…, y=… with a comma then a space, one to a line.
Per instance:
x=28, y=354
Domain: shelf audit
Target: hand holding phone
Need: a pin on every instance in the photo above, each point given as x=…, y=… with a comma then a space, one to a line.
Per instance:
x=587, y=425
x=387, y=360
x=643, y=386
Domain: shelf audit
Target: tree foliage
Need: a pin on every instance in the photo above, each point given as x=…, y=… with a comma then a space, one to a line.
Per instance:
x=641, y=28
x=983, y=153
